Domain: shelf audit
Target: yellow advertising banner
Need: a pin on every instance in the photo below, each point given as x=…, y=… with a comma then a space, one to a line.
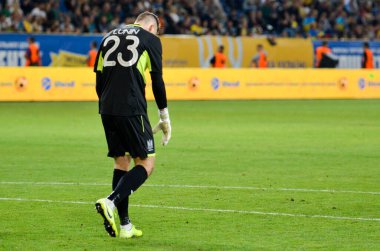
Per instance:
x=190, y=51
x=47, y=84
x=78, y=84
x=223, y=84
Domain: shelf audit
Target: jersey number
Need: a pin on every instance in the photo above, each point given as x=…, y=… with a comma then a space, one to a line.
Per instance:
x=132, y=48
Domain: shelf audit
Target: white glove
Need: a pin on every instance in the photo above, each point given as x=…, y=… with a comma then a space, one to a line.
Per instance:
x=164, y=125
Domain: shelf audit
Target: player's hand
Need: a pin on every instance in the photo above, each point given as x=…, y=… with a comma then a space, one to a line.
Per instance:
x=164, y=126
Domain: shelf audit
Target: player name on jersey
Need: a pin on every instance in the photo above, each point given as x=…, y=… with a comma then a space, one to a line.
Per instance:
x=128, y=30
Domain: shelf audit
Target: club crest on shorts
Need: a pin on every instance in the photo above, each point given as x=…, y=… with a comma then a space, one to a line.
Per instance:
x=150, y=145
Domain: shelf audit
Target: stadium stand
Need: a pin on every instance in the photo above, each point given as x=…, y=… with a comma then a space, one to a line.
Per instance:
x=351, y=19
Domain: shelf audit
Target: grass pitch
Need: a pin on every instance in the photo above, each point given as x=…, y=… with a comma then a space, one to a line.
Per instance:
x=237, y=175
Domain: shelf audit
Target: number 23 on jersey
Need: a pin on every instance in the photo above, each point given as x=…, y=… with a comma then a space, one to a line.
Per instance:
x=132, y=48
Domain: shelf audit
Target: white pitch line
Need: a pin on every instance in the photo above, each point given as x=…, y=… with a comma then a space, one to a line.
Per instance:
x=266, y=188
x=52, y=183
x=190, y=186
x=214, y=210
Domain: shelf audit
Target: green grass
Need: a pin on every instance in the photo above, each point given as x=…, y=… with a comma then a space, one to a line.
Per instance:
x=319, y=145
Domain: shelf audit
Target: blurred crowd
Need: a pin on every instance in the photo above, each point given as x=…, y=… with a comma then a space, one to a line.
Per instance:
x=352, y=19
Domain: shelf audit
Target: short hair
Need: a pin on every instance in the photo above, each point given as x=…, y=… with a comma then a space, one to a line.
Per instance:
x=146, y=14
x=324, y=43
x=32, y=39
x=366, y=44
x=94, y=44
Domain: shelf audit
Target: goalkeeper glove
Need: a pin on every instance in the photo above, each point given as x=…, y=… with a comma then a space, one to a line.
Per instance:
x=164, y=125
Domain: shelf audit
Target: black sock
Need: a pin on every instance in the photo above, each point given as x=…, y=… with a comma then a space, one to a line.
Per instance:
x=128, y=184
x=117, y=174
x=122, y=208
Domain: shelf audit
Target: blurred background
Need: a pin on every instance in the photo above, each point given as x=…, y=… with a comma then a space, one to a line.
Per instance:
x=348, y=19
x=71, y=25
x=240, y=34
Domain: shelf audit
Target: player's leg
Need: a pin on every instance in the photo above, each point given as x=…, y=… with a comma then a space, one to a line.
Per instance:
x=147, y=163
x=133, y=179
x=121, y=167
x=141, y=146
x=138, y=138
x=133, y=135
x=122, y=164
x=129, y=230
x=105, y=207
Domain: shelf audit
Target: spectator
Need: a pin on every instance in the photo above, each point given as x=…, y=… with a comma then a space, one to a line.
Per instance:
x=106, y=11
x=27, y=6
x=243, y=28
x=309, y=20
x=249, y=5
x=215, y=27
x=87, y=25
x=115, y=22
x=5, y=22
x=256, y=22
x=290, y=18
x=67, y=26
x=52, y=14
x=196, y=27
x=231, y=30
x=313, y=30
x=39, y=11
x=17, y=21
x=37, y=24
x=77, y=18
x=103, y=25
x=54, y=28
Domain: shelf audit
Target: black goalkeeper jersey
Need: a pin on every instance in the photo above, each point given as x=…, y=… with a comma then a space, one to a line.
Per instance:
x=124, y=55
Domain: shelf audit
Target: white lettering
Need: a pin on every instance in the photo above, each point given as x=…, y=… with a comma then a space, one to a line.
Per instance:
x=129, y=31
x=350, y=62
x=21, y=55
x=12, y=58
x=2, y=58
x=13, y=45
x=132, y=31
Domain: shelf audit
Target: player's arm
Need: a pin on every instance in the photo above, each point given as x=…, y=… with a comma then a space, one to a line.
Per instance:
x=158, y=88
x=98, y=69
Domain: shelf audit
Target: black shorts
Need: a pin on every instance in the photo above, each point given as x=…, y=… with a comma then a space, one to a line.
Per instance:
x=128, y=136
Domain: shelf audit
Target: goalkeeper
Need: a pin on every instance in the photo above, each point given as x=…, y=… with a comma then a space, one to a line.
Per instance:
x=124, y=55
